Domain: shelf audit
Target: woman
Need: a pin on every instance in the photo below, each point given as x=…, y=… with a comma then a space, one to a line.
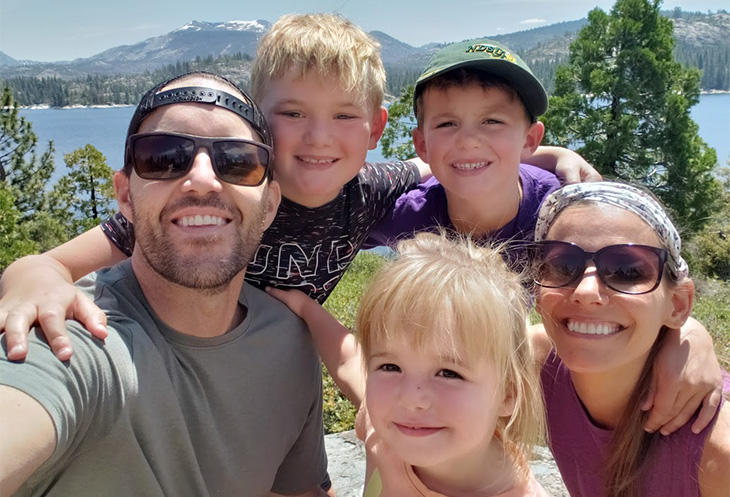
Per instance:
x=611, y=281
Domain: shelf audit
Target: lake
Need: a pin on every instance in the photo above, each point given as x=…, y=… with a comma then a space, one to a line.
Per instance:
x=105, y=128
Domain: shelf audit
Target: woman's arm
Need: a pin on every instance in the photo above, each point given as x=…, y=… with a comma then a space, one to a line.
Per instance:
x=38, y=288
x=338, y=347
x=714, y=473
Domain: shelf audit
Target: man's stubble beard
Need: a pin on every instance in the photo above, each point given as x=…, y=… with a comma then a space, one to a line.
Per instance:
x=201, y=271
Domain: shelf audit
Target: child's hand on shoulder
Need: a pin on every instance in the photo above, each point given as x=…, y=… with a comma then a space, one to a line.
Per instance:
x=295, y=300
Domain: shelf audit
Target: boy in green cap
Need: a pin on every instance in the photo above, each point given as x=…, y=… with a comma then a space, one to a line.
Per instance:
x=476, y=106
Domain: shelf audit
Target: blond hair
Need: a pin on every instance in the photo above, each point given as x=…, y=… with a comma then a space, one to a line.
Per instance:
x=323, y=44
x=447, y=288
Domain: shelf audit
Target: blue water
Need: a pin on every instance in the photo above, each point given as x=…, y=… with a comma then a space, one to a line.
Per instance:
x=106, y=128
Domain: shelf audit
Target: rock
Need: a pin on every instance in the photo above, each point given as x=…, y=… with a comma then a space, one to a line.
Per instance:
x=346, y=456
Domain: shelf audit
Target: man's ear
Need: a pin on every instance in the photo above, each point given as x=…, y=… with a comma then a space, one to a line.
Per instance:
x=682, y=297
x=377, y=126
x=121, y=187
x=532, y=139
x=273, y=199
x=419, y=142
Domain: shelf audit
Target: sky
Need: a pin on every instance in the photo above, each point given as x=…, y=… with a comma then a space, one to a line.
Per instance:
x=54, y=30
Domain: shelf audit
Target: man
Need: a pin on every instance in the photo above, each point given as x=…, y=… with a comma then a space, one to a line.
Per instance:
x=201, y=388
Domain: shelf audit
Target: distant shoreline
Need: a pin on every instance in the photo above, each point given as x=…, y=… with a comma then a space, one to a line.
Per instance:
x=112, y=106
x=46, y=106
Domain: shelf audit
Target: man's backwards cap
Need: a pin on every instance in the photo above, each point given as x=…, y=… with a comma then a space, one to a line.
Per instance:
x=493, y=58
x=246, y=108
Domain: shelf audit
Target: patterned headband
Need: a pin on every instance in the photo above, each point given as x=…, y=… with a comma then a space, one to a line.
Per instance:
x=625, y=197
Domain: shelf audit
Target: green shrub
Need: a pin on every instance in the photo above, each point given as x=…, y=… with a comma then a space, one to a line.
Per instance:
x=339, y=413
x=712, y=309
x=711, y=252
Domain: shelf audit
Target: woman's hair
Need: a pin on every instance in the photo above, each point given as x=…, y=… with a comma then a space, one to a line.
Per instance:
x=631, y=446
x=446, y=289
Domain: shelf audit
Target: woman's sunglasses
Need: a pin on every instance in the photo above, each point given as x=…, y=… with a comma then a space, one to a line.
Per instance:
x=627, y=268
x=161, y=156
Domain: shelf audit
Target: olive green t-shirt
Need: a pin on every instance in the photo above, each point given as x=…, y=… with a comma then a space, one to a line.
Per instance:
x=154, y=412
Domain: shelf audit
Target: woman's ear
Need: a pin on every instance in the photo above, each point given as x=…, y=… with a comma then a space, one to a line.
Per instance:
x=682, y=297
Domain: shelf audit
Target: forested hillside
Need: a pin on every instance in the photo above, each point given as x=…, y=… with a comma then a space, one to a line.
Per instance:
x=701, y=40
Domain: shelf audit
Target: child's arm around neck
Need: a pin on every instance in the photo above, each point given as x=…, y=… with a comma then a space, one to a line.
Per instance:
x=39, y=288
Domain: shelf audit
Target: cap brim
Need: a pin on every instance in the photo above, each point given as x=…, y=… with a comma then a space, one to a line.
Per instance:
x=525, y=84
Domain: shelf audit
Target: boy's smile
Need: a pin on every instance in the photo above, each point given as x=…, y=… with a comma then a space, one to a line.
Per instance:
x=321, y=135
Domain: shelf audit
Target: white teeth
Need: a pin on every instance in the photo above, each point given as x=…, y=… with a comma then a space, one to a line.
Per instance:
x=593, y=328
x=469, y=165
x=310, y=160
x=199, y=220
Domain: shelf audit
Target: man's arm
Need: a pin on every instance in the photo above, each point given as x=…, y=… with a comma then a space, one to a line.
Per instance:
x=28, y=438
x=39, y=288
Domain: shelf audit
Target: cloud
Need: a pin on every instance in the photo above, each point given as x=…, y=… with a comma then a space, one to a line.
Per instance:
x=533, y=21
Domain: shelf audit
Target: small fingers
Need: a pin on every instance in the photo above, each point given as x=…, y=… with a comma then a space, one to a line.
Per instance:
x=17, y=325
x=666, y=406
x=88, y=314
x=710, y=404
x=52, y=320
x=683, y=415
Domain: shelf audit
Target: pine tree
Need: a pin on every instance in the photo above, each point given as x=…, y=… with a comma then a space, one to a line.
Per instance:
x=624, y=102
x=83, y=197
x=14, y=242
x=396, y=141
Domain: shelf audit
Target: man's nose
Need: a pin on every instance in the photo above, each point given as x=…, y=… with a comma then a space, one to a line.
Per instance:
x=202, y=178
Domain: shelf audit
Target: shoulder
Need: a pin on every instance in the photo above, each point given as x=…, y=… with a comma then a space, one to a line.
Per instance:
x=430, y=191
x=715, y=462
x=277, y=324
x=537, y=181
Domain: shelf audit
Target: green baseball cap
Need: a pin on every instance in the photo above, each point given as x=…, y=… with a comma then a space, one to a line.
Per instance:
x=490, y=57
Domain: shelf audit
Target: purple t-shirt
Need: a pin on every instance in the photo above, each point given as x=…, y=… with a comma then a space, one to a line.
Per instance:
x=580, y=447
x=425, y=209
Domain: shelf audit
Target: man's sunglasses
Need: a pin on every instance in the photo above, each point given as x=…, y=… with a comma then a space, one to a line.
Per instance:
x=627, y=268
x=161, y=156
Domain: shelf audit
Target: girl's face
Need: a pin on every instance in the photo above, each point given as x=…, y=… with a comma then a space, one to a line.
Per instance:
x=435, y=411
x=594, y=328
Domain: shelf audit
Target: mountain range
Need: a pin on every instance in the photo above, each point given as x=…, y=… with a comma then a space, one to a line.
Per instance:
x=119, y=75
x=201, y=39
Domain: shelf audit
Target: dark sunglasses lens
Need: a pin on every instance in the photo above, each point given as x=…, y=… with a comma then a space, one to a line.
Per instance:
x=162, y=156
x=558, y=264
x=240, y=163
x=629, y=269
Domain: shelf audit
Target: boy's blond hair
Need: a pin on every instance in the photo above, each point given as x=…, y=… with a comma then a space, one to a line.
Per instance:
x=446, y=289
x=323, y=44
